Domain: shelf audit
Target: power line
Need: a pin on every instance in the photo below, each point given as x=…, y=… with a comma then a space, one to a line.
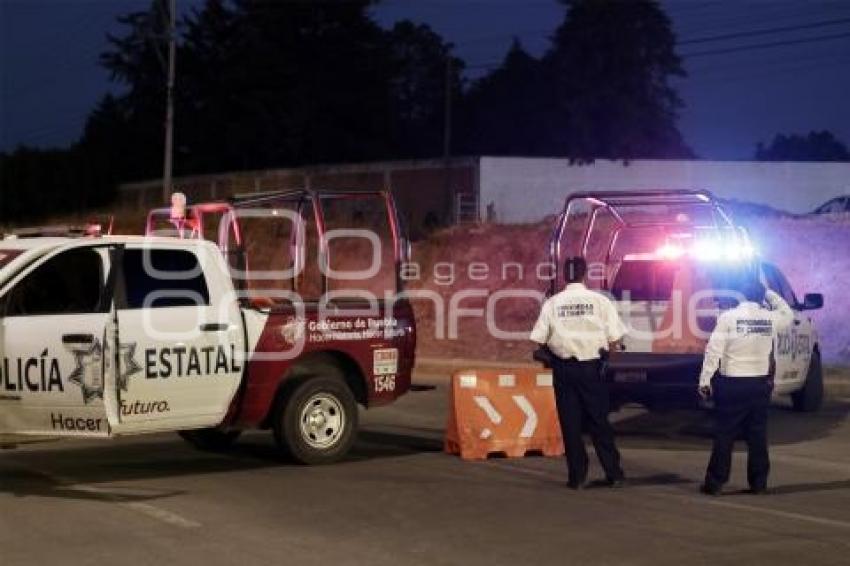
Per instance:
x=754, y=33
x=766, y=45
x=696, y=40
x=711, y=64
x=727, y=19
x=494, y=64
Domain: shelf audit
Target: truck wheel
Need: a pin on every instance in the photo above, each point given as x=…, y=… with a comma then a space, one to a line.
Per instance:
x=810, y=397
x=317, y=422
x=210, y=439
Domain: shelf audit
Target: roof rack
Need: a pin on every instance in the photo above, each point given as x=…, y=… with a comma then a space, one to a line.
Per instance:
x=624, y=206
x=248, y=199
x=663, y=196
x=618, y=202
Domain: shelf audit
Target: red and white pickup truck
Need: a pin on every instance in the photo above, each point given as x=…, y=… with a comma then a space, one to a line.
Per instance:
x=118, y=335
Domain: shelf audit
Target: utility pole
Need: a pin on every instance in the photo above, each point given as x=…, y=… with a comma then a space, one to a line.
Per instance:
x=169, y=104
x=447, y=138
x=447, y=114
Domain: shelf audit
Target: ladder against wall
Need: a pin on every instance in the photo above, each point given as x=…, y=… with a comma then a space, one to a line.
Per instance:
x=466, y=207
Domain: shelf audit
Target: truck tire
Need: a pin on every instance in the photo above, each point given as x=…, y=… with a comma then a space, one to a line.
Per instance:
x=316, y=423
x=810, y=397
x=210, y=439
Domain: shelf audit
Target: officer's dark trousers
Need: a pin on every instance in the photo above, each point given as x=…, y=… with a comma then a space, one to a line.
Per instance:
x=741, y=405
x=582, y=400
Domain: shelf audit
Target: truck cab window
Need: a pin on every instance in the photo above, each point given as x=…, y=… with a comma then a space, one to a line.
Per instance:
x=361, y=256
x=69, y=283
x=644, y=281
x=163, y=278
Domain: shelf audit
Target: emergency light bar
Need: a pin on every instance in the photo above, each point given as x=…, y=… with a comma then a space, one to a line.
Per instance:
x=713, y=251
x=670, y=252
x=702, y=250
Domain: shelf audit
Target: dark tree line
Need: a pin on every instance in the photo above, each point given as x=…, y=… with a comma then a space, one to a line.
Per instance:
x=815, y=146
x=601, y=91
x=276, y=84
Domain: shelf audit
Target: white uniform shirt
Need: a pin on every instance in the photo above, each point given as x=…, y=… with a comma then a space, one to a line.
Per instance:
x=743, y=338
x=577, y=322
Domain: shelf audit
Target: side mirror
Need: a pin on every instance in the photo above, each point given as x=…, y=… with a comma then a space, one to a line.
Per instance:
x=812, y=301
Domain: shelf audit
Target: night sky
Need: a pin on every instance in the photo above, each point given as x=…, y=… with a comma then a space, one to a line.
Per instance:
x=735, y=95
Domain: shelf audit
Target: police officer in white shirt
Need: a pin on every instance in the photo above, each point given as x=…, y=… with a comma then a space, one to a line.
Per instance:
x=578, y=326
x=741, y=348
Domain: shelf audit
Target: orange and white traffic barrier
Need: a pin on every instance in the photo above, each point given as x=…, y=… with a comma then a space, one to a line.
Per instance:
x=502, y=412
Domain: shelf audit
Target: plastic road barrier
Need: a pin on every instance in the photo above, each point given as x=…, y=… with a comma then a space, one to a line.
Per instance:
x=508, y=412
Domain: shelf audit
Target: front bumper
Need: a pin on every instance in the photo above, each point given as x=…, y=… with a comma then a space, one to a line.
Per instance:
x=658, y=381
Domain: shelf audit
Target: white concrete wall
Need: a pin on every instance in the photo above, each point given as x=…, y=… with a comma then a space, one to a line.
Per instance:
x=527, y=189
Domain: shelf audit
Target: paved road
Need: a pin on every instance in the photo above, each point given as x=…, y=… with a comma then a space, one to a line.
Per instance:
x=400, y=501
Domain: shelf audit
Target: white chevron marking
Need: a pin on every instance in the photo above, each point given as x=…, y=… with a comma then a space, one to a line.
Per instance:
x=486, y=406
x=530, y=416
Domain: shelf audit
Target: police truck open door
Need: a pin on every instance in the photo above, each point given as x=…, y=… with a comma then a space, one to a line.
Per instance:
x=180, y=345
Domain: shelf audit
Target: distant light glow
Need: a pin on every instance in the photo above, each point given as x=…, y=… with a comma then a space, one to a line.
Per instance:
x=733, y=252
x=707, y=250
x=670, y=252
x=738, y=251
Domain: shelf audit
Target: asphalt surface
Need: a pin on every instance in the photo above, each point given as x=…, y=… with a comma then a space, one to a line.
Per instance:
x=399, y=500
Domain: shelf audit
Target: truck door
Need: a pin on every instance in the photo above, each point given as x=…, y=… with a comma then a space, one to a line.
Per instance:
x=180, y=338
x=792, y=347
x=53, y=321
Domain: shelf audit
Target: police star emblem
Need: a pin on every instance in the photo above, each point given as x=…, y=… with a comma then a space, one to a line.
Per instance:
x=89, y=371
x=127, y=366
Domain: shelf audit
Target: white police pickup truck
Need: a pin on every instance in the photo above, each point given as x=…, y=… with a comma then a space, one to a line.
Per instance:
x=82, y=354
x=669, y=260
x=117, y=335
x=658, y=364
